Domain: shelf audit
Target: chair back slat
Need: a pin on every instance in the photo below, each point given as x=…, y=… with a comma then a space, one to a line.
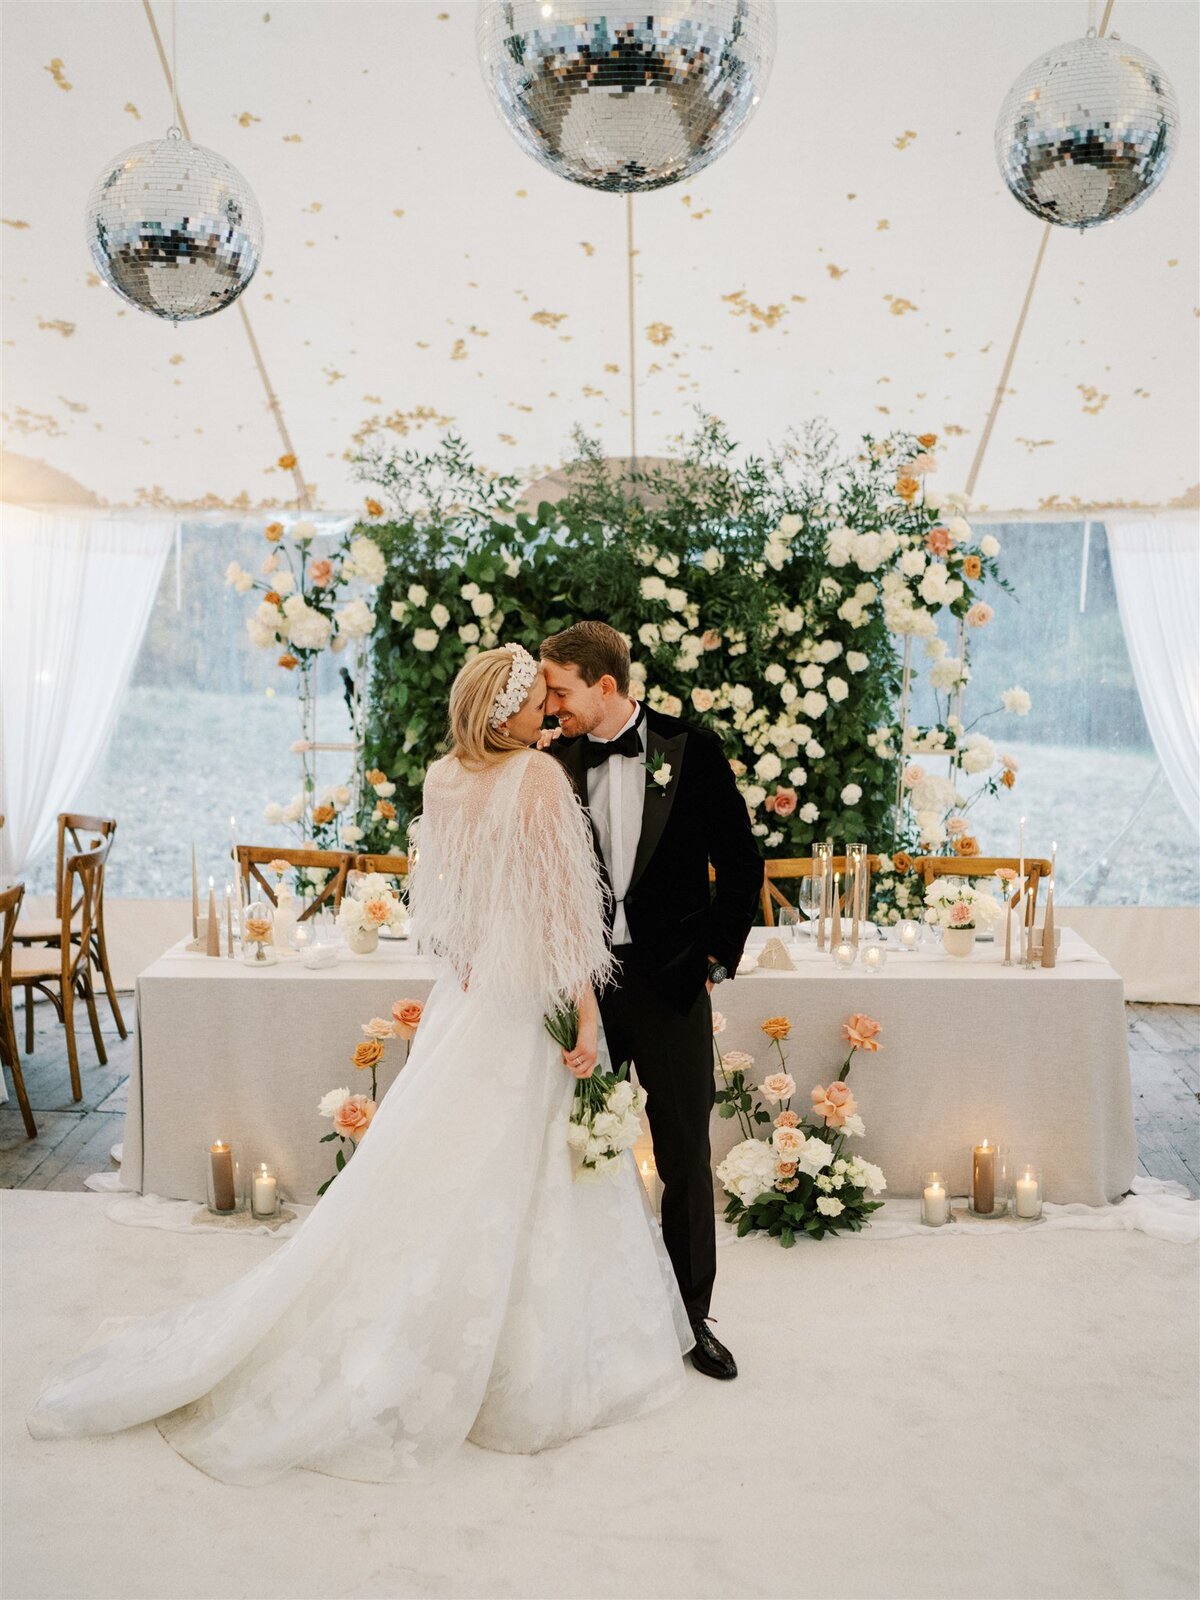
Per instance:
x=389, y=866
x=783, y=868
x=10, y=906
x=251, y=858
x=85, y=870
x=77, y=823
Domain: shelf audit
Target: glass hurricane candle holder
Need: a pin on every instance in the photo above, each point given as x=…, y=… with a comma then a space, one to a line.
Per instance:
x=263, y=1189
x=908, y=934
x=844, y=954
x=935, y=1200
x=1026, y=1191
x=257, y=934
x=223, y=1179
x=989, y=1184
x=873, y=957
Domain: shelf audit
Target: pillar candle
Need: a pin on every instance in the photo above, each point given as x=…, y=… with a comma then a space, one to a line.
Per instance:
x=220, y=1158
x=835, y=925
x=1027, y=1195
x=935, y=1204
x=983, y=1178
x=213, y=941
x=265, y=1192
x=195, y=898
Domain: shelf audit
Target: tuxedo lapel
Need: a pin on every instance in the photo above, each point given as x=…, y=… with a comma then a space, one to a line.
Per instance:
x=657, y=803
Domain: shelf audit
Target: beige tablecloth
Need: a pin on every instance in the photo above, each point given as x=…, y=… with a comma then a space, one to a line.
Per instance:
x=1036, y=1061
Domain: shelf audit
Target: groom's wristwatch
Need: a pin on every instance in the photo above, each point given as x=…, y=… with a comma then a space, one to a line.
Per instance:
x=716, y=972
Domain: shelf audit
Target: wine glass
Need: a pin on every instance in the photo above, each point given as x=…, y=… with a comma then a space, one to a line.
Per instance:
x=810, y=896
x=789, y=919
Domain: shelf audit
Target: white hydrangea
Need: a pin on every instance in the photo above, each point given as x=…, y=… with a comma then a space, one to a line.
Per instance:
x=748, y=1171
x=309, y=629
x=828, y=1206
x=797, y=777
x=912, y=563
x=775, y=673
x=712, y=560
x=814, y=704
x=1017, y=701
x=356, y=619
x=677, y=599
x=812, y=677
x=754, y=794
x=364, y=560
x=668, y=565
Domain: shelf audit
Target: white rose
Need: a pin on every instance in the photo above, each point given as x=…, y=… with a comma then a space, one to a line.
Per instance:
x=668, y=566
x=871, y=1177
x=768, y=767
x=712, y=560
x=351, y=833
x=649, y=635
x=365, y=560
x=483, y=605
x=797, y=777
x=838, y=689
x=1017, y=701
x=440, y=616
x=854, y=1125
x=304, y=531
x=851, y=794
x=426, y=639
x=703, y=699
x=814, y=704
x=418, y=594
x=809, y=812
x=811, y=677
x=669, y=704
x=856, y=661
x=828, y=1206
x=653, y=589
x=788, y=693
x=912, y=563
x=813, y=750
x=399, y=610
x=330, y=1104
x=283, y=582
x=672, y=630
x=293, y=811
x=469, y=591
x=741, y=697
x=469, y=633
x=273, y=813
x=989, y=545
x=754, y=795
x=775, y=673
x=959, y=527
x=676, y=599
x=789, y=525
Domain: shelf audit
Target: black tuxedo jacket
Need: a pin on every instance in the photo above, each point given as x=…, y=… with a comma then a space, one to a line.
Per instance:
x=676, y=918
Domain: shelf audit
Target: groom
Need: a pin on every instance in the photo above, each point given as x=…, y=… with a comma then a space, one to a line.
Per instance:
x=663, y=804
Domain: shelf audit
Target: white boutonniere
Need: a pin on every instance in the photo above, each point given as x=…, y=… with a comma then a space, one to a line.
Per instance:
x=658, y=773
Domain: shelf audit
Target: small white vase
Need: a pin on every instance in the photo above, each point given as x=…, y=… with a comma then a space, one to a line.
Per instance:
x=958, y=941
x=363, y=943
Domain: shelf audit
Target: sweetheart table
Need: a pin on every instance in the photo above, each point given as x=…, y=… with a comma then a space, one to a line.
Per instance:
x=1036, y=1061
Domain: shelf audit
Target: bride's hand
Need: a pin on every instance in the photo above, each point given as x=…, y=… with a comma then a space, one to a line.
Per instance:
x=547, y=737
x=581, y=1059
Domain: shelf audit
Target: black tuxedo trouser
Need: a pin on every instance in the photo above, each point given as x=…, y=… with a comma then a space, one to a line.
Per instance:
x=673, y=1055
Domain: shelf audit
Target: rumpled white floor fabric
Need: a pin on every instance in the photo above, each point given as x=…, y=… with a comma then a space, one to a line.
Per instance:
x=454, y=1282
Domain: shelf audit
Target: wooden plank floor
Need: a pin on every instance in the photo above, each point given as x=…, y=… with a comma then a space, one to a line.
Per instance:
x=75, y=1138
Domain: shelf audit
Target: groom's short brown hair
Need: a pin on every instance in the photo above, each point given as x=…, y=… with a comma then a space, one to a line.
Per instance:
x=593, y=649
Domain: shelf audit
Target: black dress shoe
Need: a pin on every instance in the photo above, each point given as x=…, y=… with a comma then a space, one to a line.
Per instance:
x=709, y=1355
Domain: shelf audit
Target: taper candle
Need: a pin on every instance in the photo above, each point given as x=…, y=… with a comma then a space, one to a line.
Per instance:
x=1024, y=892
x=1049, y=954
x=237, y=873
x=195, y=898
x=821, y=863
x=213, y=930
x=835, y=922
x=853, y=870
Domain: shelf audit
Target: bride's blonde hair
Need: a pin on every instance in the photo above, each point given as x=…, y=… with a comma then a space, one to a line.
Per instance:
x=472, y=695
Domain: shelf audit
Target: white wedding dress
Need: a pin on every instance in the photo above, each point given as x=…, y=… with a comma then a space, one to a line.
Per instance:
x=455, y=1282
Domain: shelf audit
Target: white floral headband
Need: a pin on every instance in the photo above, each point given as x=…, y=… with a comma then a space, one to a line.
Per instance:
x=516, y=688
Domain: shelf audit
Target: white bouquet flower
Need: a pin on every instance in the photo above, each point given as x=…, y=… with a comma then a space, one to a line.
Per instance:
x=959, y=903
x=606, y=1111
x=748, y=1171
x=380, y=911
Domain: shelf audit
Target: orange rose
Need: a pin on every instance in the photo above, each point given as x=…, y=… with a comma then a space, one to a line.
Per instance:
x=287, y=462
x=353, y=1117
x=374, y=509
x=940, y=541
x=860, y=1030
x=320, y=573
x=835, y=1104
x=273, y=531
x=272, y=597
x=902, y=862
x=408, y=1015
x=288, y=661
x=1008, y=777
x=376, y=776
x=386, y=809
x=907, y=487
x=368, y=1054
x=323, y=814
x=777, y=1028
x=927, y=440
x=965, y=845
x=972, y=567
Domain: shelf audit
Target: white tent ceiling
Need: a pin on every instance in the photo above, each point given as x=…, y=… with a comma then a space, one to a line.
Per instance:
x=855, y=256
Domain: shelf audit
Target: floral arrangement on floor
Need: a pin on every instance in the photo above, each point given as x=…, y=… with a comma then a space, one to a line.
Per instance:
x=352, y=1114
x=606, y=1110
x=797, y=1180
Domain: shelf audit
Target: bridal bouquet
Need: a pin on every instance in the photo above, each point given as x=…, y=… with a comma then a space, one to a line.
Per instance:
x=797, y=1179
x=606, y=1112
x=352, y=1114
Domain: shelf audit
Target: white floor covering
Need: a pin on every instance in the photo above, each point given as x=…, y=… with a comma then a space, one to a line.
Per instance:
x=1003, y=1416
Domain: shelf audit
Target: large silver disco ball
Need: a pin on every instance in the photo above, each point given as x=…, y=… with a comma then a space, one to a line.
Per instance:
x=630, y=96
x=174, y=229
x=1087, y=132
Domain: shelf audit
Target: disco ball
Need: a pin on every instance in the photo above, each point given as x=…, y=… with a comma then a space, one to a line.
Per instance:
x=1087, y=132
x=174, y=229
x=626, y=97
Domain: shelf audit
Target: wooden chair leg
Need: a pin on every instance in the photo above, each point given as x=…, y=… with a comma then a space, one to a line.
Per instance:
x=68, y=1006
x=89, y=995
x=28, y=1019
x=10, y=1053
x=109, y=985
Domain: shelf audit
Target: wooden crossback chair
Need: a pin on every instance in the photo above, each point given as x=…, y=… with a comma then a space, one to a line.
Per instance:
x=787, y=867
x=10, y=1055
x=251, y=858
x=68, y=962
x=84, y=833
x=1036, y=868
x=389, y=866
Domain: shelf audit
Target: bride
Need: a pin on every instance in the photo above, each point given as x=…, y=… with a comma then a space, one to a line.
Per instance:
x=454, y=1283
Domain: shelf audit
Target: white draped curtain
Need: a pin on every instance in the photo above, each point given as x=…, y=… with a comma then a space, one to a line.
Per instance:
x=1156, y=570
x=75, y=597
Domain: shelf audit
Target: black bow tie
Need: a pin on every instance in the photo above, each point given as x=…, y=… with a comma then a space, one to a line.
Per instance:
x=597, y=751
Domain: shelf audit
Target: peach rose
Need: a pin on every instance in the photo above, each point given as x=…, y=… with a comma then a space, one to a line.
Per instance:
x=914, y=773
x=835, y=1103
x=374, y=509
x=785, y=1169
x=907, y=487
x=860, y=1030
x=322, y=814
x=967, y=845
x=788, y=1144
x=377, y=912
x=258, y=929
x=923, y=463
x=736, y=1061
x=273, y=531
x=787, y=1119
x=902, y=862
x=272, y=597
x=353, y=1117
x=1008, y=777
x=320, y=573
x=710, y=639
x=379, y=1028
x=786, y=801
x=957, y=825
x=386, y=809
x=288, y=661
x=718, y=1022
x=777, y=1028
x=376, y=776
x=779, y=1086
x=972, y=567
x=960, y=914
x=1006, y=874
x=368, y=1054
x=939, y=541
x=287, y=462
x=927, y=440
x=786, y=1185
x=408, y=1017
x=980, y=614
x=279, y=866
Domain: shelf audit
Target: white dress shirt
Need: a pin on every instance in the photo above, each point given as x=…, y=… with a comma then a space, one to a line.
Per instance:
x=616, y=791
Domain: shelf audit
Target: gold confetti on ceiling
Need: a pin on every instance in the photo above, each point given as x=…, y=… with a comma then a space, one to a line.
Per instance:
x=699, y=216
x=588, y=249
x=13, y=222
x=882, y=225
x=760, y=317
x=246, y=118
x=176, y=360
x=133, y=111
x=397, y=213
x=611, y=366
x=660, y=333
x=55, y=69
x=518, y=407
x=93, y=280
x=401, y=422
x=506, y=438
x=373, y=399
x=316, y=206
x=902, y=141
x=549, y=319
x=332, y=375
x=1173, y=262
x=73, y=405
x=1034, y=444
x=954, y=429
x=443, y=16
x=898, y=305
x=1093, y=401
x=292, y=138
x=800, y=299
x=58, y=326
x=836, y=272
x=22, y=421
x=459, y=352
x=590, y=393
x=522, y=194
